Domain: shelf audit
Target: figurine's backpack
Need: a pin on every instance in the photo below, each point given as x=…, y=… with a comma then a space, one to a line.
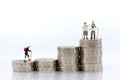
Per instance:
x=25, y=49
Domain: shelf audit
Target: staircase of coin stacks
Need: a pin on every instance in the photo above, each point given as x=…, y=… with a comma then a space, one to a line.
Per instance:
x=86, y=57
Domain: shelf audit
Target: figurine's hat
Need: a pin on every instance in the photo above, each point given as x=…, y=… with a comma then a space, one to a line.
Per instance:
x=27, y=45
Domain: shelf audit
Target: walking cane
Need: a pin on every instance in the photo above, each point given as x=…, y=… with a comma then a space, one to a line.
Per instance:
x=97, y=33
x=31, y=55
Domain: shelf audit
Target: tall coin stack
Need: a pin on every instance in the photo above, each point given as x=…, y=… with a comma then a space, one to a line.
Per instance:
x=21, y=66
x=45, y=65
x=68, y=58
x=91, y=55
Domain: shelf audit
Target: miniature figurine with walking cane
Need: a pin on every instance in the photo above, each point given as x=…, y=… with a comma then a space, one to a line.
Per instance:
x=93, y=30
x=26, y=50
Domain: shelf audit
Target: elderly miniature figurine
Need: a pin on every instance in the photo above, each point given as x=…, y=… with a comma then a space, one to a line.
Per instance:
x=85, y=31
x=93, y=30
x=26, y=50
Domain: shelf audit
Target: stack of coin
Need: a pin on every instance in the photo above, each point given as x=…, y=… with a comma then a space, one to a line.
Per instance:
x=68, y=58
x=45, y=65
x=91, y=55
x=21, y=66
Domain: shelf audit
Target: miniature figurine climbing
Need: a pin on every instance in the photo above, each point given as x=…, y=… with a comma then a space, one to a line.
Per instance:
x=26, y=50
x=85, y=31
x=93, y=29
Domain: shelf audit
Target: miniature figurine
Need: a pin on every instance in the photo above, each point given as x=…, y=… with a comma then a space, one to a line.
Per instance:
x=85, y=31
x=26, y=50
x=93, y=29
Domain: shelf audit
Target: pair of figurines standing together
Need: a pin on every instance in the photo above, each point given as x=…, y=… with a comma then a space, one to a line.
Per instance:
x=93, y=30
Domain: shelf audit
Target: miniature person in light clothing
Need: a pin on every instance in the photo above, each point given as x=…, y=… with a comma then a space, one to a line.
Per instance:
x=93, y=30
x=85, y=31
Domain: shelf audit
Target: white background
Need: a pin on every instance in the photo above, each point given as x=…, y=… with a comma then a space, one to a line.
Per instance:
x=47, y=24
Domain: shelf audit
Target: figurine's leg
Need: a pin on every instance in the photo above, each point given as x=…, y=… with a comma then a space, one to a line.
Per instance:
x=91, y=34
x=28, y=57
x=83, y=34
x=86, y=36
x=25, y=58
x=94, y=34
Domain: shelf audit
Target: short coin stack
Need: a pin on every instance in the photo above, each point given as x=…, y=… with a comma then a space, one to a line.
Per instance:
x=45, y=65
x=68, y=58
x=21, y=66
x=91, y=55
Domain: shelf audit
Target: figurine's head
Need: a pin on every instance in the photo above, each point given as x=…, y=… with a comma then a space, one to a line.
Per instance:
x=28, y=46
x=84, y=22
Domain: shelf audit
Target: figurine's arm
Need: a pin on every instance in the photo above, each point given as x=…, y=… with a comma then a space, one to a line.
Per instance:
x=96, y=28
x=29, y=50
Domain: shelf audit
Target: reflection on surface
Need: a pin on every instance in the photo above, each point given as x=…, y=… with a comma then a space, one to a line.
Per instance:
x=57, y=76
x=91, y=76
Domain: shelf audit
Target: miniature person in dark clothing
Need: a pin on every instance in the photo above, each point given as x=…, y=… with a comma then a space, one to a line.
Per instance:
x=26, y=53
x=93, y=29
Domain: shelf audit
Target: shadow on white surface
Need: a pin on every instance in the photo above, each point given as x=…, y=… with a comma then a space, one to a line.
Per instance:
x=57, y=76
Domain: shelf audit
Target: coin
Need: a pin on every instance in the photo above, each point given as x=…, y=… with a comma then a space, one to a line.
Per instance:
x=21, y=66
